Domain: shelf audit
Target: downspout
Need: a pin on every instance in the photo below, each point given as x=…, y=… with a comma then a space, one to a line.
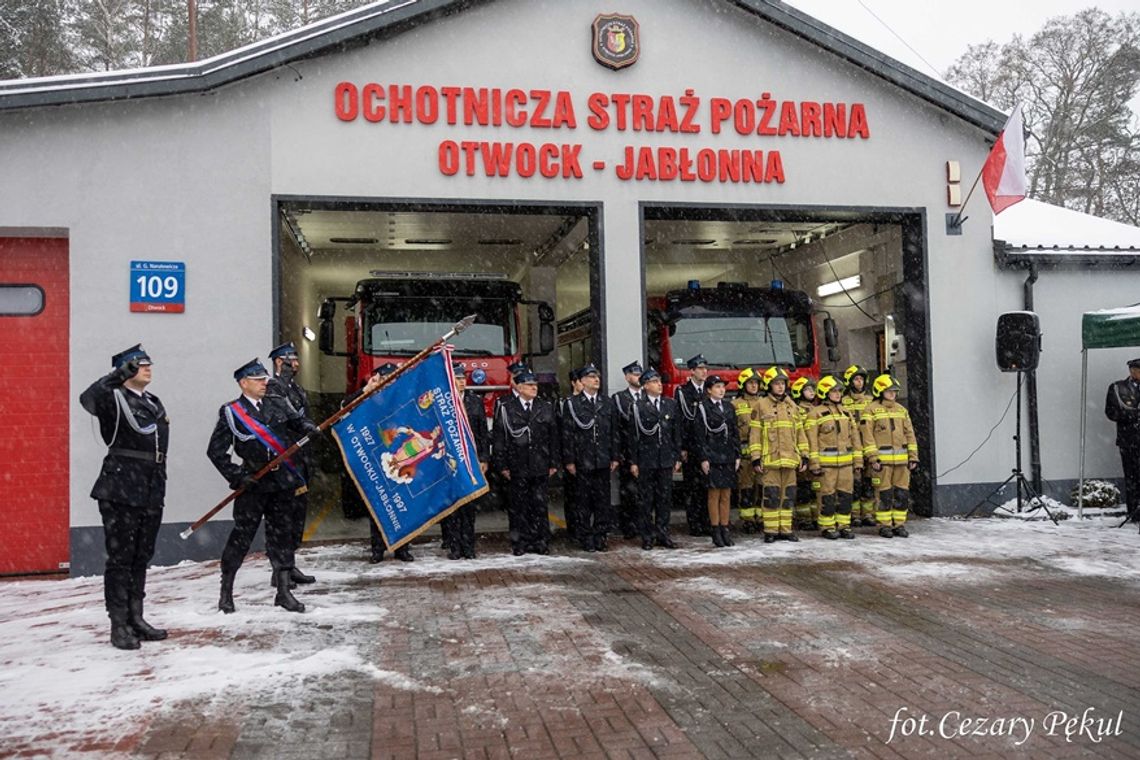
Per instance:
x=1031, y=392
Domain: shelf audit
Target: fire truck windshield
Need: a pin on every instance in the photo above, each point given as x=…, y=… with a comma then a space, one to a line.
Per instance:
x=742, y=341
x=403, y=325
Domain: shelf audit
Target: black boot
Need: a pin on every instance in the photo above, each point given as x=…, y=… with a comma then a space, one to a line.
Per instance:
x=296, y=576
x=901, y=531
x=886, y=532
x=144, y=630
x=789, y=537
x=273, y=580
x=122, y=635
x=226, y=599
x=404, y=554
x=846, y=533
x=726, y=535
x=717, y=537
x=284, y=596
x=769, y=538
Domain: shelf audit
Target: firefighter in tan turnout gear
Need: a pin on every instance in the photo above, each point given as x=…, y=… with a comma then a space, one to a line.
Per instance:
x=835, y=457
x=778, y=450
x=747, y=483
x=890, y=450
x=855, y=400
x=806, y=512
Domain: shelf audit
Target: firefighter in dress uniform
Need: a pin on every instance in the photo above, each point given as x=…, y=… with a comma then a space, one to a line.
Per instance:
x=693, y=496
x=835, y=457
x=257, y=428
x=716, y=445
x=131, y=488
x=629, y=507
x=747, y=484
x=779, y=450
x=283, y=385
x=461, y=522
x=569, y=479
x=498, y=485
x=589, y=454
x=806, y=516
x=653, y=450
x=890, y=450
x=376, y=544
x=1122, y=406
x=855, y=401
x=524, y=450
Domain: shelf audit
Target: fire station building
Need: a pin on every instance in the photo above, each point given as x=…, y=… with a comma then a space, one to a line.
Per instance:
x=599, y=160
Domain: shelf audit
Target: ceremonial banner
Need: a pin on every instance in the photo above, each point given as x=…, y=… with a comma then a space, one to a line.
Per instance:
x=410, y=451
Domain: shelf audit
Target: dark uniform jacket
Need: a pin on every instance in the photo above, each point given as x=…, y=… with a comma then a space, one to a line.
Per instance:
x=655, y=436
x=285, y=422
x=688, y=396
x=1122, y=406
x=524, y=443
x=477, y=417
x=588, y=432
x=715, y=434
x=623, y=410
x=297, y=398
x=137, y=432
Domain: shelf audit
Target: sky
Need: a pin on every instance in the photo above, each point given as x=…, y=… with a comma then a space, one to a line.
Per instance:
x=942, y=31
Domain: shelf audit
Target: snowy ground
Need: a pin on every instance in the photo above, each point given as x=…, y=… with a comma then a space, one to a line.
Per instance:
x=60, y=680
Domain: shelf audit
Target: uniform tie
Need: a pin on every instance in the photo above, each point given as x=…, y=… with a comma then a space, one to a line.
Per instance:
x=657, y=405
x=526, y=406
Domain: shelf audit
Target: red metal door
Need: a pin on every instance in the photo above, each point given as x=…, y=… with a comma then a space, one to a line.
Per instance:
x=34, y=403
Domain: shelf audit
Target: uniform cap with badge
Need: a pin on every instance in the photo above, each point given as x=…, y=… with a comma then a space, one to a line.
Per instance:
x=135, y=353
x=587, y=370
x=633, y=368
x=697, y=361
x=386, y=368
x=284, y=351
x=649, y=375
x=526, y=377
x=252, y=369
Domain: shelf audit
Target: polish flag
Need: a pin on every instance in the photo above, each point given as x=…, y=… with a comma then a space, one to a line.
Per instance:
x=1003, y=173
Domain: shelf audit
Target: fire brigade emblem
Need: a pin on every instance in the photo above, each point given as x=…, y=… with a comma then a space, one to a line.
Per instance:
x=617, y=43
x=408, y=449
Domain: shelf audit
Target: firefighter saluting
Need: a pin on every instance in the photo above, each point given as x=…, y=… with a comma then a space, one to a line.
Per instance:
x=131, y=488
x=835, y=458
x=778, y=449
x=891, y=451
x=747, y=484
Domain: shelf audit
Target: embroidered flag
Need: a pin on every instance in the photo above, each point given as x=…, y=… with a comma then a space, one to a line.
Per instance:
x=410, y=450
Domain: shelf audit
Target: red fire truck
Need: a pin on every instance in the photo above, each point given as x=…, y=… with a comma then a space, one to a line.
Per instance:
x=396, y=314
x=733, y=325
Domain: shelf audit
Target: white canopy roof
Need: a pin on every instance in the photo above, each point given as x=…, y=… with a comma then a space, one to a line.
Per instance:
x=1033, y=225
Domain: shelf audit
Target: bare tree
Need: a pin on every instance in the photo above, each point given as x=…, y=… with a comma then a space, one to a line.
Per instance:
x=1075, y=78
x=33, y=39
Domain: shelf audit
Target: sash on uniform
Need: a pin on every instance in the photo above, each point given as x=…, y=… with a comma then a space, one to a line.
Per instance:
x=263, y=434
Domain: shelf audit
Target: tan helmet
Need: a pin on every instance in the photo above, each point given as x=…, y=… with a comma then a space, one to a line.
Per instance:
x=884, y=383
x=829, y=383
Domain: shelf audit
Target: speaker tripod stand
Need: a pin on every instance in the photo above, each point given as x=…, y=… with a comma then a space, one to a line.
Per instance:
x=1016, y=476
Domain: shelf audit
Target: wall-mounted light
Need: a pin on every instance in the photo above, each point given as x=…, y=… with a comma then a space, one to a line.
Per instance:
x=308, y=333
x=838, y=286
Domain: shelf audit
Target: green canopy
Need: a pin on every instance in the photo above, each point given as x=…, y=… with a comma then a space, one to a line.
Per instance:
x=1111, y=328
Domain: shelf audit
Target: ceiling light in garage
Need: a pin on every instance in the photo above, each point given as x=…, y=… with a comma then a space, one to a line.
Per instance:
x=427, y=241
x=756, y=241
x=693, y=242
x=838, y=286
x=354, y=240
x=309, y=334
x=500, y=241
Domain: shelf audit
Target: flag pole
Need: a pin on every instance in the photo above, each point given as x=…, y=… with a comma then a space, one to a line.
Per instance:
x=958, y=219
x=388, y=379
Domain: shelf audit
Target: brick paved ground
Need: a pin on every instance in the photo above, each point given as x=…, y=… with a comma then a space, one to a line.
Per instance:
x=796, y=651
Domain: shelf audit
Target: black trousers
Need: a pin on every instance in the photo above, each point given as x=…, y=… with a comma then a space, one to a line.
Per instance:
x=300, y=514
x=527, y=511
x=694, y=495
x=629, y=505
x=595, y=514
x=1130, y=462
x=655, y=487
x=129, y=534
x=277, y=508
x=570, y=505
x=459, y=527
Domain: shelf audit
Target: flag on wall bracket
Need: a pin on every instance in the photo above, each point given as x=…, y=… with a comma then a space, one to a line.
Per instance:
x=1003, y=173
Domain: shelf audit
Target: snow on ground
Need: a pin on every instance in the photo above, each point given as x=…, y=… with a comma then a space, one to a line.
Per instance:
x=58, y=670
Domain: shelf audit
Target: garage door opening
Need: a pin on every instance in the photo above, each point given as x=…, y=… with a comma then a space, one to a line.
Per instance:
x=750, y=286
x=376, y=281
